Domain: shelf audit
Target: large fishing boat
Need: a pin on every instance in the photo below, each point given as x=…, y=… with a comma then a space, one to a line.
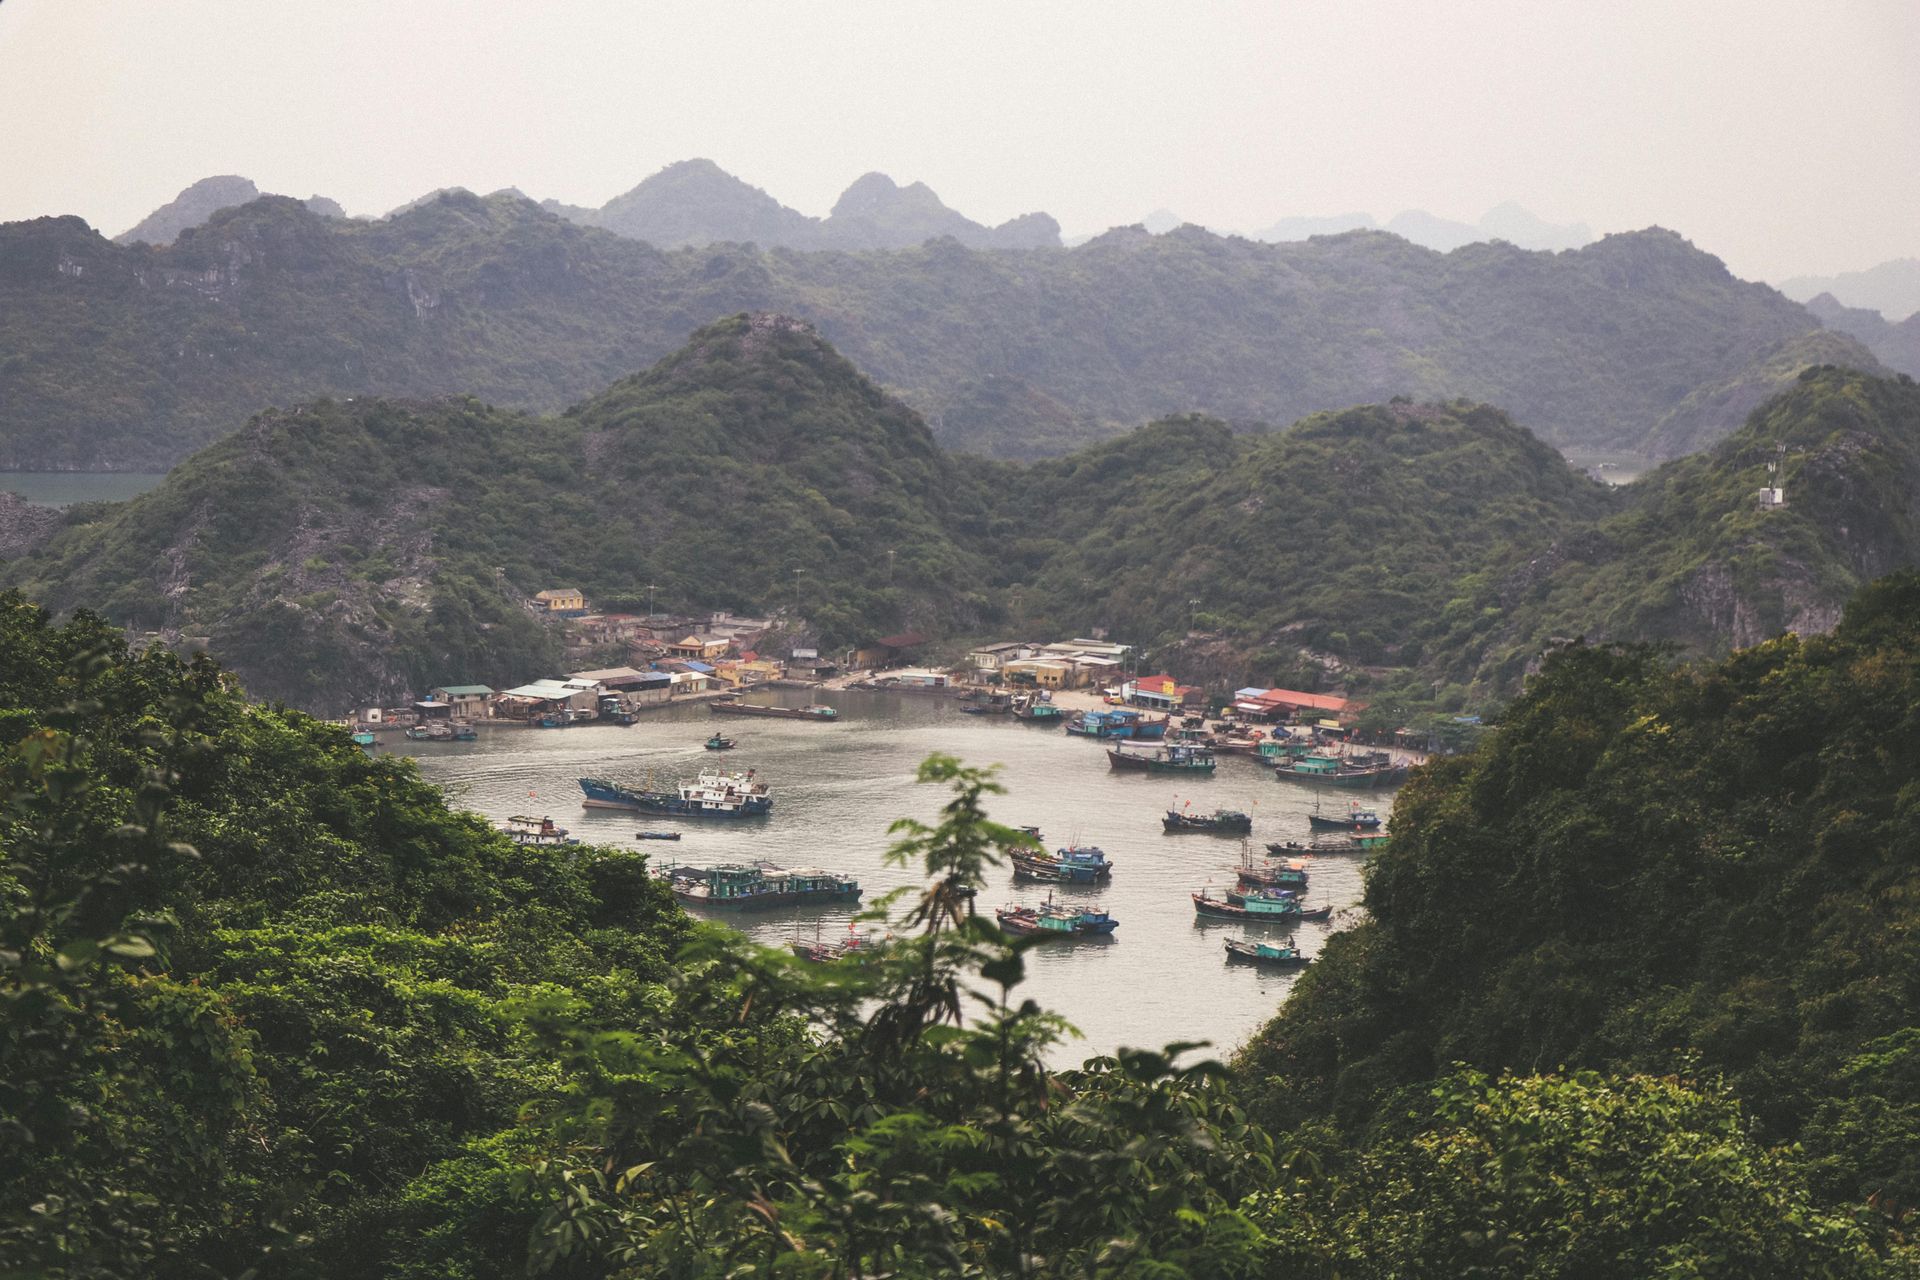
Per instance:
x=1035, y=710
x=740, y=887
x=710, y=795
x=1077, y=864
x=1355, y=819
x=1052, y=920
x=1258, y=907
x=735, y=707
x=525, y=830
x=1222, y=821
x=1118, y=722
x=1167, y=758
x=1366, y=769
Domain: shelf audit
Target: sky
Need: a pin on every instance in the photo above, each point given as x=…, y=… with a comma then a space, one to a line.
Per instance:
x=1782, y=135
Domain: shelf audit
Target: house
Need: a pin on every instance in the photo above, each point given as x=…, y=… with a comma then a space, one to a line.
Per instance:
x=542, y=697
x=612, y=679
x=563, y=602
x=888, y=650
x=807, y=664
x=428, y=710
x=469, y=701
x=1159, y=693
x=1770, y=498
x=1277, y=704
x=1048, y=673
x=991, y=657
x=700, y=648
x=917, y=678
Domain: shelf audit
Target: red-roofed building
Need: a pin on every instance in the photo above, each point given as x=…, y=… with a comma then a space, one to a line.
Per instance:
x=1275, y=704
x=1161, y=693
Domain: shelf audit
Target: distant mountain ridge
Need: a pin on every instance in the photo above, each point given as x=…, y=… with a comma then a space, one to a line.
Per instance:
x=201, y=201
x=1506, y=221
x=1895, y=345
x=128, y=357
x=1891, y=288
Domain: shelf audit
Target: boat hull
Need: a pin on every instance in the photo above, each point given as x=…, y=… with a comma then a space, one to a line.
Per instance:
x=668, y=804
x=1390, y=777
x=1319, y=823
x=1249, y=953
x=696, y=896
x=823, y=715
x=1216, y=909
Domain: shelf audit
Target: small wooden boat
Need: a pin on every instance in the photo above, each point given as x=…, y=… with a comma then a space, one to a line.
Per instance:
x=1076, y=864
x=832, y=950
x=718, y=743
x=1280, y=956
x=1033, y=711
x=656, y=835
x=1290, y=876
x=1224, y=821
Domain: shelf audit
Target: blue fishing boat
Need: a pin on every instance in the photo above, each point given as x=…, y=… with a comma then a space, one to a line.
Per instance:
x=1279, y=955
x=1053, y=920
x=363, y=738
x=1258, y=907
x=1118, y=722
x=710, y=795
x=1355, y=819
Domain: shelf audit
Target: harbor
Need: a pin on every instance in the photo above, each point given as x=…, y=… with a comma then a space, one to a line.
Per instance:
x=1164, y=973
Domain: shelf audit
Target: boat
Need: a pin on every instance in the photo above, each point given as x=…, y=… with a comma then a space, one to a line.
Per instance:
x=363, y=738
x=1118, y=722
x=982, y=703
x=735, y=707
x=1371, y=769
x=1076, y=864
x=524, y=830
x=1169, y=758
x=656, y=835
x=1290, y=876
x=1356, y=819
x=718, y=743
x=1037, y=710
x=430, y=732
x=1230, y=821
x=710, y=795
x=1280, y=955
x=553, y=720
x=1261, y=908
x=1288, y=848
x=465, y=733
x=1054, y=920
x=759, y=886
x=831, y=951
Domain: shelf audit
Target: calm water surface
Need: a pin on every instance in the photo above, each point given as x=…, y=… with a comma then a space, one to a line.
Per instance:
x=836, y=786
x=64, y=488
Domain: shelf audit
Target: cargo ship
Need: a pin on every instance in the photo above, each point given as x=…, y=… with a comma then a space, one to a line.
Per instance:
x=735, y=707
x=710, y=795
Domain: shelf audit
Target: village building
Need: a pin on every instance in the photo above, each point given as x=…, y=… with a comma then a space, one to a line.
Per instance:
x=700, y=648
x=917, y=678
x=1282, y=704
x=887, y=650
x=991, y=657
x=611, y=628
x=807, y=664
x=428, y=710
x=1047, y=673
x=546, y=697
x=469, y=701
x=1159, y=693
x=611, y=679
x=561, y=602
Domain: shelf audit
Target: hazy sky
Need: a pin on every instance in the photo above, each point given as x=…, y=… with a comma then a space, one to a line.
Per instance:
x=1783, y=136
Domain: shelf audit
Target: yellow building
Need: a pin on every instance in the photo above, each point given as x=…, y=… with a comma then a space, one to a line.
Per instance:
x=563, y=600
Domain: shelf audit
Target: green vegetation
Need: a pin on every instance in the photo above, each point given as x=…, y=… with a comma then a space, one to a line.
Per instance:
x=1696, y=870
x=130, y=357
x=266, y=1004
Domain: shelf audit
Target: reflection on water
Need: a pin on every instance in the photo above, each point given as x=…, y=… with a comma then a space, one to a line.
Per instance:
x=64, y=488
x=837, y=786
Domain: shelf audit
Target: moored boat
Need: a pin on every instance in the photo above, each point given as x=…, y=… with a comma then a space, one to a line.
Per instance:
x=735, y=707
x=718, y=743
x=756, y=887
x=524, y=830
x=710, y=795
x=1375, y=769
x=1168, y=758
x=1279, y=955
x=1262, y=908
x=363, y=737
x=1076, y=864
x=1355, y=819
x=656, y=835
x=1290, y=876
x=1053, y=920
x=1227, y=821
x=1118, y=722
x=1032, y=710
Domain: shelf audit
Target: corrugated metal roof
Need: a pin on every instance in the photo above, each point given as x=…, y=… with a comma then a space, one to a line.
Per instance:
x=464, y=690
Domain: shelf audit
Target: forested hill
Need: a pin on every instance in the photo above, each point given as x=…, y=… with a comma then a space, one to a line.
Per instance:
x=132, y=356
x=1416, y=554
x=338, y=553
x=1711, y=872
